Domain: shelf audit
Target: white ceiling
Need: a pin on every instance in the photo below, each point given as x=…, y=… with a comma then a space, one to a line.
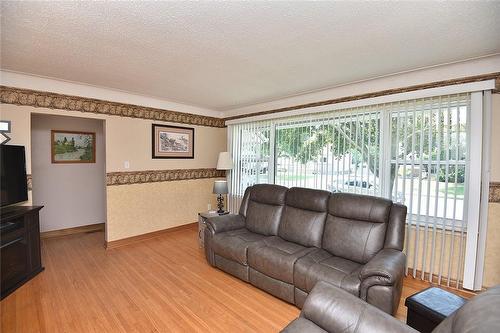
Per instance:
x=225, y=55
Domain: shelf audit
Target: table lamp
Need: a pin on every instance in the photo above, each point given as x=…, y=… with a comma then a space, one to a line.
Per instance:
x=220, y=188
x=224, y=162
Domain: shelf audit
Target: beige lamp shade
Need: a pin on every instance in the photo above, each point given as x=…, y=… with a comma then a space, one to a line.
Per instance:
x=224, y=162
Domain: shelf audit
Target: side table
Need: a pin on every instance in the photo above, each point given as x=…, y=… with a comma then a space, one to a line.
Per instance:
x=202, y=220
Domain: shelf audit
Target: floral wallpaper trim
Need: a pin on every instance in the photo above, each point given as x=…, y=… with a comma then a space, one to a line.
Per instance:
x=151, y=176
x=43, y=99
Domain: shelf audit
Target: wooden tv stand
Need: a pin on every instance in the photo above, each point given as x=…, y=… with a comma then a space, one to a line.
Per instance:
x=19, y=246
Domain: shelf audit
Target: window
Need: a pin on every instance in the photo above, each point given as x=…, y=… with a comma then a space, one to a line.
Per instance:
x=414, y=152
x=428, y=157
x=252, y=142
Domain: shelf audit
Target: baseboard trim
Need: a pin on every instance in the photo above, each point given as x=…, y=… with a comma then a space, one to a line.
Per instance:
x=134, y=239
x=75, y=230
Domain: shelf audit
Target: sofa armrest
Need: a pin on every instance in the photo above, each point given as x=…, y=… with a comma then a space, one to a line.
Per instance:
x=382, y=280
x=335, y=310
x=388, y=264
x=226, y=222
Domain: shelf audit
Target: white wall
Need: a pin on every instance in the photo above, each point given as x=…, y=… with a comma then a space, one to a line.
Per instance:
x=480, y=66
x=35, y=82
x=73, y=194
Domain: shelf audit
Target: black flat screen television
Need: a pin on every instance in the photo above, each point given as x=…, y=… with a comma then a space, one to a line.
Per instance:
x=13, y=183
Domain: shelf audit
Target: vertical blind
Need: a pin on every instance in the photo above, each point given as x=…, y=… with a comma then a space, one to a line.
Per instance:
x=428, y=168
x=413, y=152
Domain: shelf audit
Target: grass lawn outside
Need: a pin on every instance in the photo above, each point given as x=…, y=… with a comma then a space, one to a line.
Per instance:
x=458, y=189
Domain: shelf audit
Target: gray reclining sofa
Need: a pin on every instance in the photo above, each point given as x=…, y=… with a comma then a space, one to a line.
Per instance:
x=285, y=240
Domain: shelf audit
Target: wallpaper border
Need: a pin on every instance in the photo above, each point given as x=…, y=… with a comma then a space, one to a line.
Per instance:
x=494, y=192
x=153, y=176
x=43, y=99
x=462, y=80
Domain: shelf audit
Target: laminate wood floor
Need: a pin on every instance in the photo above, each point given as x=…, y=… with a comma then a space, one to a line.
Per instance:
x=158, y=285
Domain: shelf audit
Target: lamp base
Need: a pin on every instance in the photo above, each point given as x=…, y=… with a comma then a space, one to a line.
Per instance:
x=220, y=204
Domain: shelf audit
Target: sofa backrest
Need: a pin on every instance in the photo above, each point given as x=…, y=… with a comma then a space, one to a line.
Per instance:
x=265, y=206
x=479, y=315
x=356, y=226
x=244, y=202
x=395, y=235
x=304, y=216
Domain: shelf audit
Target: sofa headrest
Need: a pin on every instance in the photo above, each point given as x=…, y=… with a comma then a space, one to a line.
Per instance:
x=359, y=207
x=268, y=194
x=309, y=199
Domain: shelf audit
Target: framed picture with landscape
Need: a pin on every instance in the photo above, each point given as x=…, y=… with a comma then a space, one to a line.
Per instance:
x=172, y=142
x=72, y=147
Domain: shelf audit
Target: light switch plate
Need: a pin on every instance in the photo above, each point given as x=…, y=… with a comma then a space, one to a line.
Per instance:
x=126, y=165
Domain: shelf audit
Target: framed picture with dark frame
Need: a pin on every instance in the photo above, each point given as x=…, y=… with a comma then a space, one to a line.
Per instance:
x=72, y=146
x=172, y=141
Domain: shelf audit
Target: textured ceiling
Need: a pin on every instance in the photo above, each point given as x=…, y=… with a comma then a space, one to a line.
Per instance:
x=223, y=55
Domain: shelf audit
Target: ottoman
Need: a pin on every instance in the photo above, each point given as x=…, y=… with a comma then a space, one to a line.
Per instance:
x=429, y=307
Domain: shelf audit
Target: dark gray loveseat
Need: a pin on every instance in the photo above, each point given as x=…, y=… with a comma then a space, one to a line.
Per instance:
x=285, y=240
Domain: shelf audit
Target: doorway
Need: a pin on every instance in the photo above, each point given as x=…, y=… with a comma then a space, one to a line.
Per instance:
x=69, y=180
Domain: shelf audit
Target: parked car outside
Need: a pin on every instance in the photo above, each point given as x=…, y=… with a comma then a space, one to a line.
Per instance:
x=361, y=187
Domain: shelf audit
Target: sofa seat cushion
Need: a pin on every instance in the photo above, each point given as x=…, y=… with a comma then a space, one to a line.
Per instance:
x=276, y=257
x=320, y=265
x=233, y=244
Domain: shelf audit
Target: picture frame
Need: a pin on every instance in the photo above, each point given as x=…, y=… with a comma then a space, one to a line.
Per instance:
x=72, y=147
x=172, y=142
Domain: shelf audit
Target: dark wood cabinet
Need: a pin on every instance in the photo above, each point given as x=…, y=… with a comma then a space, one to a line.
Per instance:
x=19, y=247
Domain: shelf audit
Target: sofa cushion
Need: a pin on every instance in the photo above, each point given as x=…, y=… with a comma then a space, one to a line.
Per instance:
x=301, y=325
x=278, y=288
x=304, y=216
x=356, y=226
x=234, y=244
x=265, y=207
x=276, y=257
x=244, y=202
x=360, y=207
x=320, y=265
